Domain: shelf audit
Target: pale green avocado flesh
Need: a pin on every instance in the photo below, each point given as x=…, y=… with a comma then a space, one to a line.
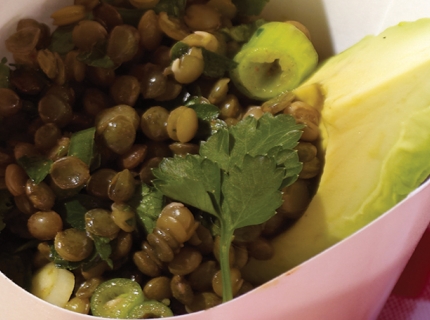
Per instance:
x=277, y=58
x=375, y=124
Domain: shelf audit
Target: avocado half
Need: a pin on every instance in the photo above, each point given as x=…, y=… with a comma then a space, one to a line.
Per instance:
x=375, y=126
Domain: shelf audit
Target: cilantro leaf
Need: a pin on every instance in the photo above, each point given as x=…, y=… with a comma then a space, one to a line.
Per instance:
x=36, y=167
x=174, y=8
x=290, y=160
x=217, y=148
x=82, y=145
x=103, y=248
x=207, y=114
x=252, y=192
x=97, y=57
x=4, y=74
x=148, y=203
x=243, y=32
x=61, y=40
x=73, y=210
x=178, y=50
x=237, y=177
x=73, y=265
x=254, y=137
x=201, y=177
x=216, y=65
x=258, y=137
x=250, y=7
x=204, y=111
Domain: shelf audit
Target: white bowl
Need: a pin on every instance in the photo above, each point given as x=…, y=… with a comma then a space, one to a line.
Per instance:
x=350, y=280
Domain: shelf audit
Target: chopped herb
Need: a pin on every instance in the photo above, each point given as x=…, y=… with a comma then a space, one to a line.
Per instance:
x=72, y=265
x=82, y=145
x=148, y=203
x=36, y=167
x=4, y=74
x=178, y=50
x=97, y=57
x=174, y=8
x=103, y=248
x=243, y=32
x=216, y=65
x=204, y=111
x=61, y=40
x=73, y=210
x=207, y=114
x=237, y=177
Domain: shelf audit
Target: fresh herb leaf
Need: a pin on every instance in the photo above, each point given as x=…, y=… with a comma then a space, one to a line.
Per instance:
x=174, y=8
x=97, y=57
x=103, y=248
x=253, y=137
x=216, y=65
x=36, y=167
x=73, y=210
x=204, y=111
x=201, y=177
x=148, y=203
x=207, y=115
x=75, y=214
x=4, y=74
x=290, y=160
x=82, y=145
x=252, y=192
x=243, y=32
x=237, y=177
x=217, y=148
x=62, y=40
x=73, y=265
x=250, y=7
x=178, y=50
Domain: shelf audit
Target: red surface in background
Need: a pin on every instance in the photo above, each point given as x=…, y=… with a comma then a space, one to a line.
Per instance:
x=417, y=272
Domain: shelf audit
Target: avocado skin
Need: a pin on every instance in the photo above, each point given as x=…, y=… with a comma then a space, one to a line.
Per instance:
x=375, y=128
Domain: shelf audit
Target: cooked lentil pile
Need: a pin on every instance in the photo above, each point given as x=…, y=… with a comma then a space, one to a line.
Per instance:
x=89, y=108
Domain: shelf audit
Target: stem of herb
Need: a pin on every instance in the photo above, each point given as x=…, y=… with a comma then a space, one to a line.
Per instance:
x=225, y=243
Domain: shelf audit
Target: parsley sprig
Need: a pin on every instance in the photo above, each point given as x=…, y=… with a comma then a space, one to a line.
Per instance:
x=237, y=177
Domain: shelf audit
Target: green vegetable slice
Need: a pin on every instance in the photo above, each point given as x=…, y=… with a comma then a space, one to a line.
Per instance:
x=277, y=58
x=116, y=298
x=150, y=309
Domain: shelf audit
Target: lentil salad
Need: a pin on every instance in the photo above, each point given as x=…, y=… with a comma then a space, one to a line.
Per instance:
x=134, y=104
